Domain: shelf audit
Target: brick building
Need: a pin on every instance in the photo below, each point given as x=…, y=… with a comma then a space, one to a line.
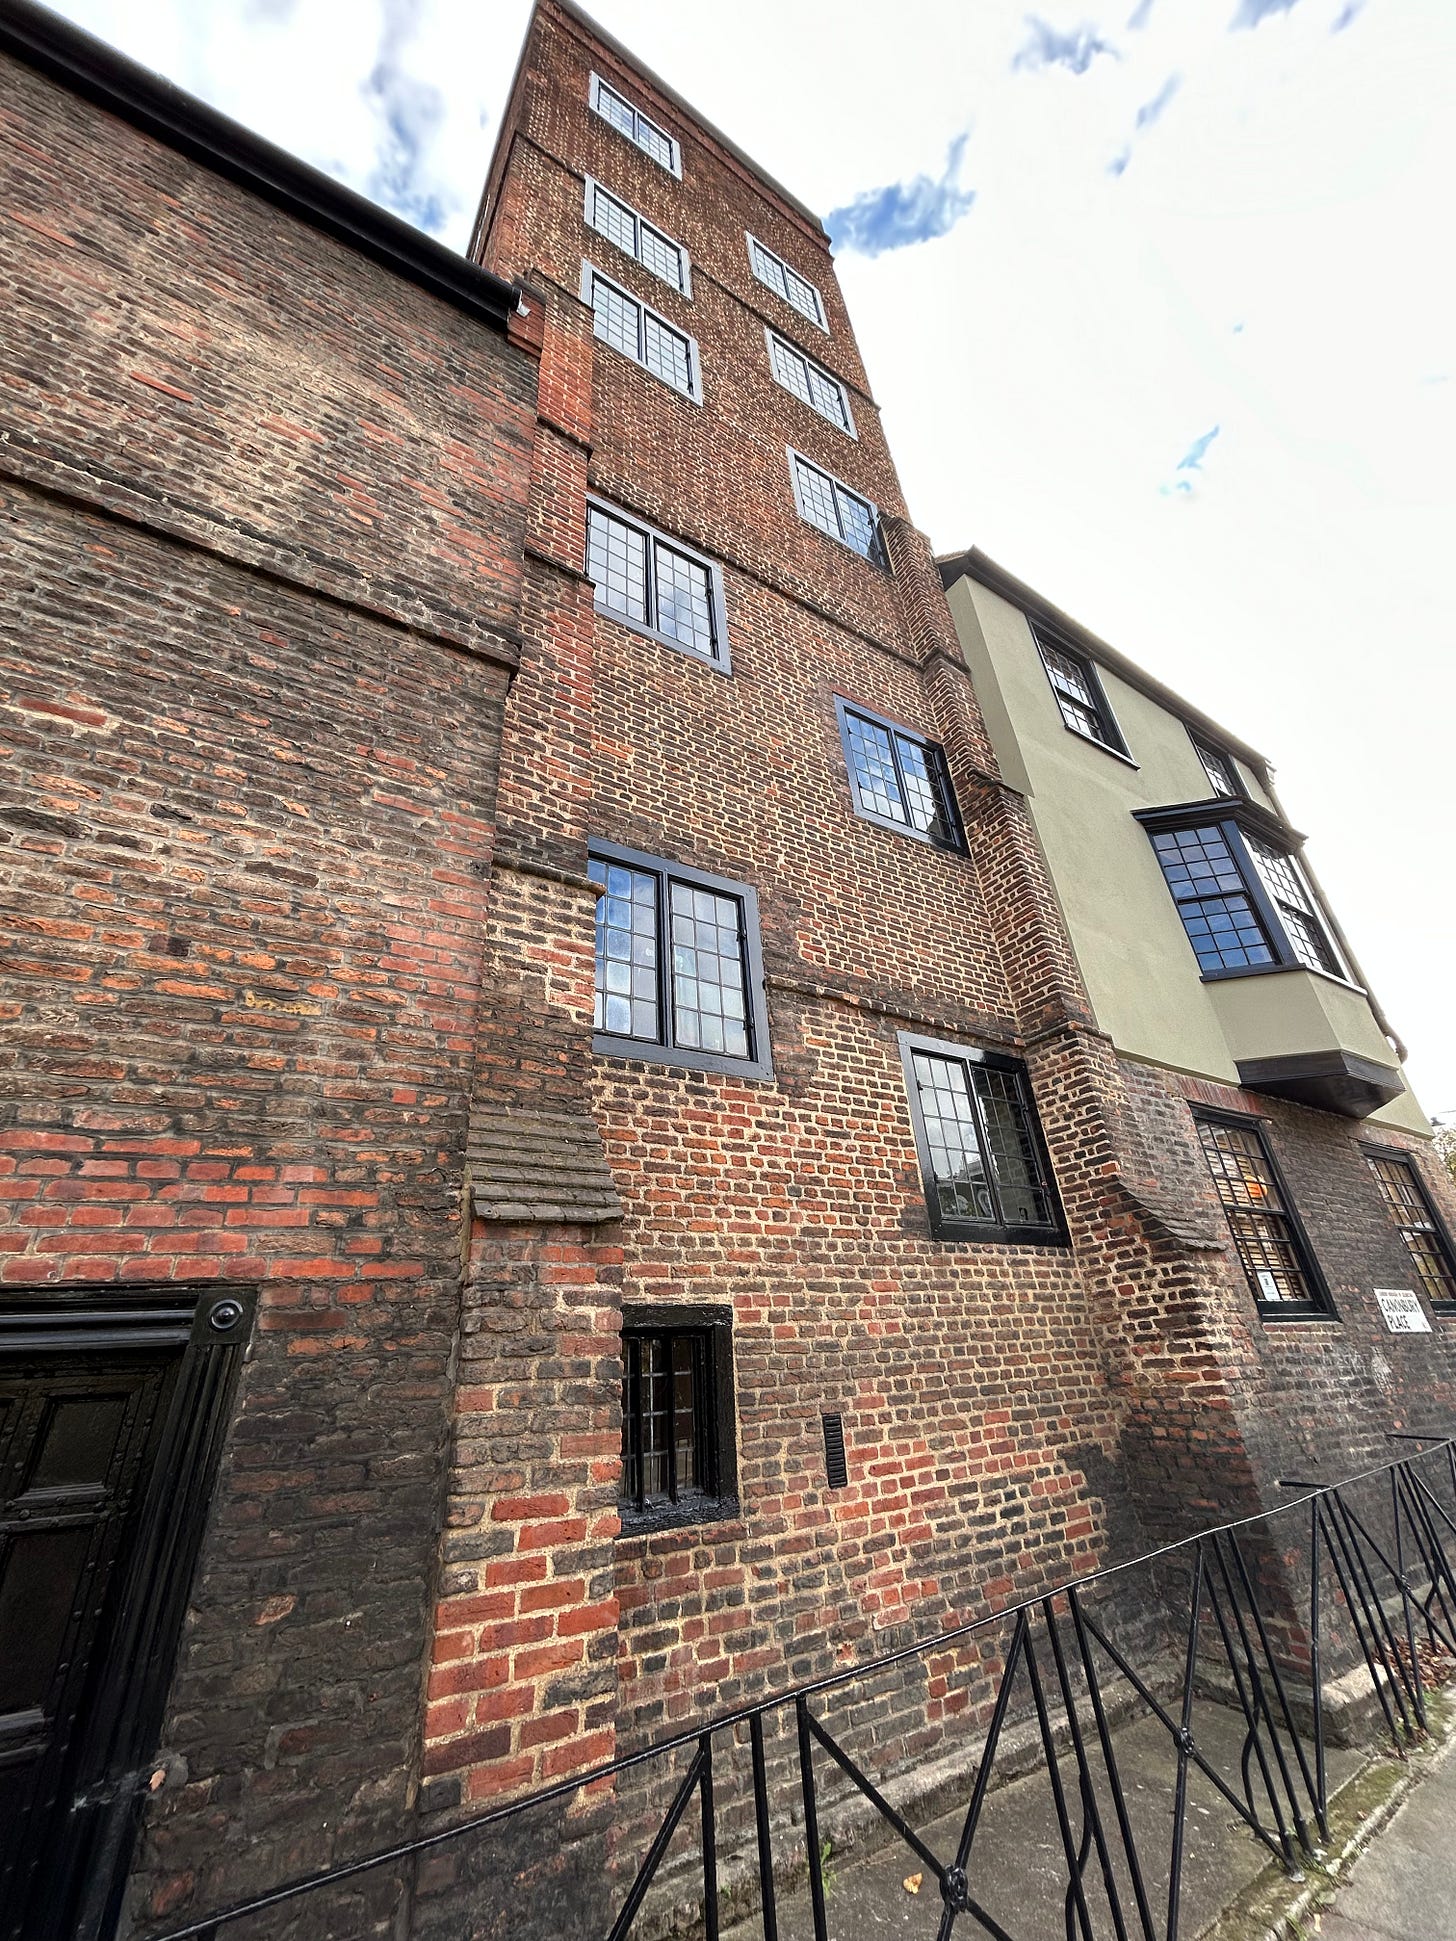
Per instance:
x=541, y=1013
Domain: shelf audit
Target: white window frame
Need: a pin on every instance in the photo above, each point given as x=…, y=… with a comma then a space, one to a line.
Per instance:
x=722, y=663
x=685, y=288
x=673, y=166
x=846, y=424
x=694, y=393
x=752, y=242
x=877, y=558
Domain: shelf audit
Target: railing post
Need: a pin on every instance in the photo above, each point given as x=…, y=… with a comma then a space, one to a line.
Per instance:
x=765, y=1838
x=710, y=1838
x=811, y=1819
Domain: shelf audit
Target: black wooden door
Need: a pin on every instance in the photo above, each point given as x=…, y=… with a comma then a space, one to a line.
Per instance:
x=79, y=1438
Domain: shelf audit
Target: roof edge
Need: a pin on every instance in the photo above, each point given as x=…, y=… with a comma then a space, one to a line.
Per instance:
x=976, y=565
x=54, y=47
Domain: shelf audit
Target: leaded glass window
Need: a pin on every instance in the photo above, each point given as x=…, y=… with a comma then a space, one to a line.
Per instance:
x=678, y=978
x=981, y=1153
x=898, y=779
x=1079, y=695
x=639, y=333
x=636, y=237
x=1266, y=1236
x=810, y=382
x=786, y=282
x=1225, y=930
x=1426, y=1240
x=653, y=584
x=636, y=126
x=1218, y=768
x=835, y=510
x=1290, y=896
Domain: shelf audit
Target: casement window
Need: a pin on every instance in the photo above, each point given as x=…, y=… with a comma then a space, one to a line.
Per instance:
x=982, y=1157
x=1244, y=902
x=636, y=237
x=656, y=585
x=794, y=289
x=898, y=779
x=837, y=511
x=1218, y=767
x=677, y=1417
x=1432, y=1257
x=809, y=382
x=1079, y=695
x=679, y=970
x=636, y=126
x=1267, y=1236
x=638, y=332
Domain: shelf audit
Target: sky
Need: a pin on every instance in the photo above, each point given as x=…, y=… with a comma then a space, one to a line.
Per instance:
x=1157, y=299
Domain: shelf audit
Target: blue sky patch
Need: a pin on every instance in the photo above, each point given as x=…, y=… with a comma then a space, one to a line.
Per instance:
x=1075, y=49
x=903, y=212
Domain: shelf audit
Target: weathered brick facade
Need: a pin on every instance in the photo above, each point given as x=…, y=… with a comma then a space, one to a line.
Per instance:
x=311, y=719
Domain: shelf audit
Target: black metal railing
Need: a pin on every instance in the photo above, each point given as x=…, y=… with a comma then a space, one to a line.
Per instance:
x=1238, y=1658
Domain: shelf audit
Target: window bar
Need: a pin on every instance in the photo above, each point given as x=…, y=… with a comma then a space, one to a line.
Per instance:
x=1257, y=893
x=635, y=1419
x=993, y=1184
x=670, y=1384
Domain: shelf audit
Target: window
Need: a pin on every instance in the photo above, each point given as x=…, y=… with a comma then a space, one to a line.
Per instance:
x=899, y=780
x=679, y=974
x=1243, y=900
x=1222, y=776
x=677, y=1416
x=1426, y=1240
x=620, y=223
x=793, y=288
x=632, y=123
x=835, y=510
x=655, y=585
x=981, y=1153
x=1267, y=1237
x=642, y=335
x=807, y=381
x=1079, y=695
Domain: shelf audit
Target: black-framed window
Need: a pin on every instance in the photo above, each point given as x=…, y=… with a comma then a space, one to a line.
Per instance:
x=826, y=503
x=809, y=382
x=656, y=585
x=1078, y=690
x=1426, y=1240
x=679, y=971
x=982, y=1156
x=1243, y=901
x=1223, y=777
x=898, y=779
x=640, y=333
x=1270, y=1242
x=678, y=1458
x=636, y=126
x=638, y=238
x=771, y=269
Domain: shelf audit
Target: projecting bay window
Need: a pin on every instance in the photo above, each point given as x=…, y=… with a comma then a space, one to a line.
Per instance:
x=679, y=972
x=1268, y=1240
x=636, y=237
x=982, y=1157
x=824, y=502
x=1243, y=899
x=638, y=332
x=899, y=780
x=677, y=1417
x=636, y=126
x=656, y=585
x=1432, y=1258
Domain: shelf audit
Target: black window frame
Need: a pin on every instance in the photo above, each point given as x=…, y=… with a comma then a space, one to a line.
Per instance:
x=759, y=1064
x=722, y=661
x=776, y=341
x=711, y=1325
x=1378, y=1154
x=1211, y=757
x=955, y=1227
x=1321, y=1307
x=936, y=764
x=1232, y=818
x=1112, y=741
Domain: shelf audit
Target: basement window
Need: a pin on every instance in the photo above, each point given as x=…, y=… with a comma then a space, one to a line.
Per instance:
x=677, y=1417
x=982, y=1156
x=898, y=779
x=1270, y=1243
x=636, y=126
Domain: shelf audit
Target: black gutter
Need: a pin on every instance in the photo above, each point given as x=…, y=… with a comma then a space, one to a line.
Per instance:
x=86, y=66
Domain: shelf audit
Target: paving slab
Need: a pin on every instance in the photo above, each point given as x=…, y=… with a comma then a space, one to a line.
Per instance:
x=1403, y=1888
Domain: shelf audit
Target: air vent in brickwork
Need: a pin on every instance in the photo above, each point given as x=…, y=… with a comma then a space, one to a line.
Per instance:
x=834, y=1451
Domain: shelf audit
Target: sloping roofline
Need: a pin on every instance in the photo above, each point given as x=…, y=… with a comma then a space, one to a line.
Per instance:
x=41, y=40
x=975, y=565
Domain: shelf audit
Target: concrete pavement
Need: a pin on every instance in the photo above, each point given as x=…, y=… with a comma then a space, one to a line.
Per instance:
x=1403, y=1888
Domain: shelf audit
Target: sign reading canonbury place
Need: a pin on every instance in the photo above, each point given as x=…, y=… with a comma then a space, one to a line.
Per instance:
x=1403, y=1312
